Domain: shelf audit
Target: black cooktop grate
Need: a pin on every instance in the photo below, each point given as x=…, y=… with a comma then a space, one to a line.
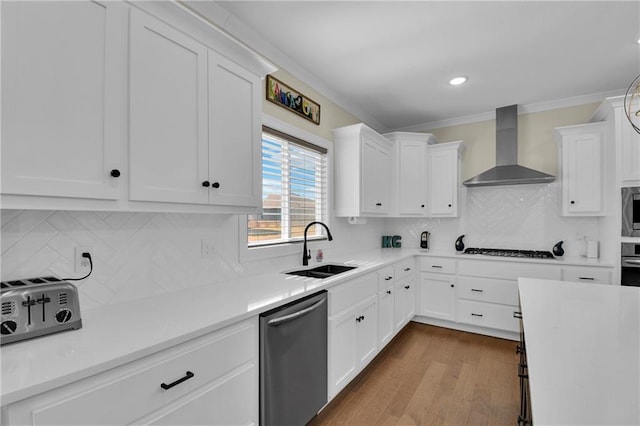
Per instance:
x=535, y=254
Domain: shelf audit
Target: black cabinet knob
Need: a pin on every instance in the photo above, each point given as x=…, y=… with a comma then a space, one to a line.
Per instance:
x=115, y=173
x=215, y=185
x=422, y=205
x=388, y=291
x=206, y=184
x=449, y=205
x=451, y=285
x=573, y=202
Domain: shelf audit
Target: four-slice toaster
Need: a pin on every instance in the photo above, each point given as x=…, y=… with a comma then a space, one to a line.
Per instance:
x=37, y=306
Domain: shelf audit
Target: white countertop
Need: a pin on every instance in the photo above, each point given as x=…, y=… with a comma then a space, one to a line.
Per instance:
x=583, y=352
x=117, y=334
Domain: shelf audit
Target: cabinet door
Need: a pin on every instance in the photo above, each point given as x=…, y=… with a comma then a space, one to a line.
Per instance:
x=582, y=174
x=234, y=134
x=409, y=299
x=62, y=97
x=371, y=202
x=412, y=180
x=442, y=169
x=168, y=117
x=343, y=361
x=229, y=402
x=385, y=315
x=630, y=151
x=367, y=331
x=437, y=297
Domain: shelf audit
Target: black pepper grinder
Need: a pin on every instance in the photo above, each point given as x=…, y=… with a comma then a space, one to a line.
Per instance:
x=460, y=243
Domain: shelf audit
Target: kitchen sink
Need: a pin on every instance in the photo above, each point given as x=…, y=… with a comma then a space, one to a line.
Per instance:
x=323, y=271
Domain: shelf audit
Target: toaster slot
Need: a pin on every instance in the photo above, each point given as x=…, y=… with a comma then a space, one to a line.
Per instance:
x=16, y=283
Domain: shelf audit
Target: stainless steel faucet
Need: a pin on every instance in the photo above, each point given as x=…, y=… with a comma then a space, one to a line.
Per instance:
x=306, y=254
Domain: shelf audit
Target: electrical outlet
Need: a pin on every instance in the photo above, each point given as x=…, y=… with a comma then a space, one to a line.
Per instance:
x=81, y=264
x=208, y=249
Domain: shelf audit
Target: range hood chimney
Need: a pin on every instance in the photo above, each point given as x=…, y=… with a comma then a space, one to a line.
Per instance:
x=507, y=170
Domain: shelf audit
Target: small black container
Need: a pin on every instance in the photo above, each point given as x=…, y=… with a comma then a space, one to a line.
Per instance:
x=460, y=243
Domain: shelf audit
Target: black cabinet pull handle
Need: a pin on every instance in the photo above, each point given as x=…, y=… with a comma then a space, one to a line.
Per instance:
x=436, y=266
x=388, y=278
x=206, y=184
x=476, y=315
x=407, y=287
x=187, y=376
x=378, y=204
x=215, y=185
x=587, y=278
x=517, y=314
x=115, y=173
x=388, y=291
x=407, y=269
x=478, y=290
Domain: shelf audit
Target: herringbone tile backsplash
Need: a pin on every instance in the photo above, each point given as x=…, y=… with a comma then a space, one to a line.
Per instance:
x=137, y=255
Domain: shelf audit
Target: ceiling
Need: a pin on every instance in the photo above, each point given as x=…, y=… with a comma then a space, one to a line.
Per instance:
x=390, y=62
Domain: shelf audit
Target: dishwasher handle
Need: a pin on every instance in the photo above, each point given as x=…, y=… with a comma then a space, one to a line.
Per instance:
x=281, y=320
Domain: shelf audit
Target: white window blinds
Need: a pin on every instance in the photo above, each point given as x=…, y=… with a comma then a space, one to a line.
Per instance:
x=294, y=190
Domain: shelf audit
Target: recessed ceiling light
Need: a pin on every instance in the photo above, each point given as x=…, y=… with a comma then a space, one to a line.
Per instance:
x=457, y=81
x=638, y=41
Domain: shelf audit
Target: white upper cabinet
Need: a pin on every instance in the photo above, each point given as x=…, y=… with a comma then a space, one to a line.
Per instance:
x=195, y=121
x=235, y=132
x=363, y=172
x=114, y=106
x=62, y=99
x=409, y=173
x=168, y=104
x=630, y=150
x=443, y=161
x=580, y=158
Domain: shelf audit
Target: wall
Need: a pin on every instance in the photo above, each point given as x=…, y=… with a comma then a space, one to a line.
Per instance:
x=137, y=255
x=536, y=146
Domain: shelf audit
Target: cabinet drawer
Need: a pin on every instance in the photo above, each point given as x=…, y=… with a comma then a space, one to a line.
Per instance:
x=385, y=278
x=129, y=392
x=351, y=293
x=404, y=268
x=438, y=265
x=508, y=270
x=587, y=275
x=488, y=290
x=488, y=315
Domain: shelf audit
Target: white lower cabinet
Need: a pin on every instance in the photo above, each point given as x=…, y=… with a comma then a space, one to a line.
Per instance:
x=386, y=306
x=404, y=301
x=353, y=342
x=437, y=296
x=209, y=380
x=353, y=329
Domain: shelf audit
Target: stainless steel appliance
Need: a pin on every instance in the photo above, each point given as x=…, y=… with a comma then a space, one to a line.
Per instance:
x=537, y=254
x=631, y=212
x=630, y=265
x=37, y=306
x=293, y=361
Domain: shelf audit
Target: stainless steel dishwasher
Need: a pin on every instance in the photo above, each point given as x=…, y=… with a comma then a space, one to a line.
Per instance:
x=293, y=361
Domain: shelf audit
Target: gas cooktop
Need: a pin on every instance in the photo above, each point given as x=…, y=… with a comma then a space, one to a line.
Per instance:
x=535, y=254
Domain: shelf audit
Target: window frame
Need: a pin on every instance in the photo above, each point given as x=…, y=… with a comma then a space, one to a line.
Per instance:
x=247, y=253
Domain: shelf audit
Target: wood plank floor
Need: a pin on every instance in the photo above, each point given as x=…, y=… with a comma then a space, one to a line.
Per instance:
x=432, y=376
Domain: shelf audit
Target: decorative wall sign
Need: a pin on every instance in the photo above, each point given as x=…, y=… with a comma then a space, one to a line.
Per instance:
x=281, y=94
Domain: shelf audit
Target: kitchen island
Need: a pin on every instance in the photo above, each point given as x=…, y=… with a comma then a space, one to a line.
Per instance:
x=583, y=352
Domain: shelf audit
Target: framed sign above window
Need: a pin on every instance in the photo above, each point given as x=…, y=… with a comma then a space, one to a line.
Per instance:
x=284, y=96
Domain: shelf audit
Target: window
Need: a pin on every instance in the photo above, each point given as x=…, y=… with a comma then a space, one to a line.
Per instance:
x=294, y=190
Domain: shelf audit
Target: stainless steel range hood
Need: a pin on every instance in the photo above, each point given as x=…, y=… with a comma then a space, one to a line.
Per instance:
x=507, y=170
